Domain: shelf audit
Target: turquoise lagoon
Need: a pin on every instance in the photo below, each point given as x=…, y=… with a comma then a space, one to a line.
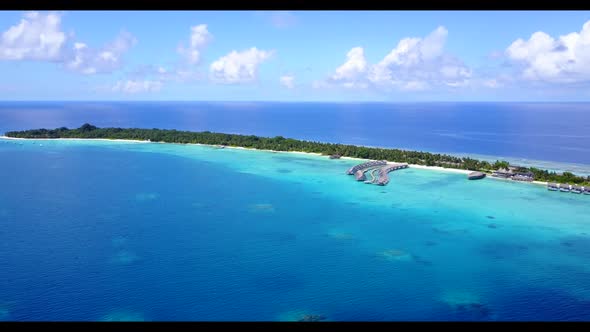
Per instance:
x=95, y=230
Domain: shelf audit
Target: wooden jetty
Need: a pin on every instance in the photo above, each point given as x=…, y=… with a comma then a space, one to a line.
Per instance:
x=383, y=178
x=378, y=169
x=365, y=166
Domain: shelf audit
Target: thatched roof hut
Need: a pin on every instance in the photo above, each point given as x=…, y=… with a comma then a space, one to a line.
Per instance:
x=476, y=175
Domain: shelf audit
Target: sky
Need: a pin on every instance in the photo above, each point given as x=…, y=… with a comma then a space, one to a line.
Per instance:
x=341, y=56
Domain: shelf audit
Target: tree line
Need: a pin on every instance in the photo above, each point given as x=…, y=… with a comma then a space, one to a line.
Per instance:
x=280, y=143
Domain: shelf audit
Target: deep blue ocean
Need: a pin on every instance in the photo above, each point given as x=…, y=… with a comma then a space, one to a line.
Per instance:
x=110, y=231
x=552, y=135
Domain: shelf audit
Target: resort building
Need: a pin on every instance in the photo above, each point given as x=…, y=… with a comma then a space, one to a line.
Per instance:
x=523, y=176
x=514, y=173
x=503, y=173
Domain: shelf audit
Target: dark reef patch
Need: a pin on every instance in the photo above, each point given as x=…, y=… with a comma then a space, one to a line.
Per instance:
x=577, y=245
x=502, y=250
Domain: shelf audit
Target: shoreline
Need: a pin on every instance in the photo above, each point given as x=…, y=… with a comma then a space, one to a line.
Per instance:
x=434, y=168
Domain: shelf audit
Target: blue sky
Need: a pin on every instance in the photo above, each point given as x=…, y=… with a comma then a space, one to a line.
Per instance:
x=296, y=56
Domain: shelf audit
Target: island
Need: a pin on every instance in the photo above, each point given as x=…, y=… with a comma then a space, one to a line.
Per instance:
x=279, y=143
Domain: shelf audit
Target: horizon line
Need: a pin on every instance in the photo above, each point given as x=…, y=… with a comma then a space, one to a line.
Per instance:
x=303, y=101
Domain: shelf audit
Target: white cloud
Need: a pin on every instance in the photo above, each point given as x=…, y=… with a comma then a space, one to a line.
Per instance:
x=200, y=38
x=238, y=67
x=182, y=74
x=287, y=81
x=137, y=86
x=37, y=37
x=562, y=60
x=353, y=71
x=415, y=64
x=86, y=60
x=420, y=63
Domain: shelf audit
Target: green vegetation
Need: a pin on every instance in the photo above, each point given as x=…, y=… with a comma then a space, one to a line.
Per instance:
x=280, y=143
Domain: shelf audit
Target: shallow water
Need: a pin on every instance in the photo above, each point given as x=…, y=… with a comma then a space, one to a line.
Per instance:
x=135, y=231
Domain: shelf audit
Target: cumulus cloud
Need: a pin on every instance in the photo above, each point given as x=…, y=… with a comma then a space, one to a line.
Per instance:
x=37, y=37
x=565, y=59
x=137, y=86
x=238, y=67
x=288, y=81
x=352, y=72
x=415, y=64
x=200, y=38
x=86, y=60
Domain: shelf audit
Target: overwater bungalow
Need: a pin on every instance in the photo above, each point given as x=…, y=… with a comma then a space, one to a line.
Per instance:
x=476, y=175
x=360, y=175
x=552, y=186
x=564, y=187
x=383, y=178
x=366, y=165
x=576, y=189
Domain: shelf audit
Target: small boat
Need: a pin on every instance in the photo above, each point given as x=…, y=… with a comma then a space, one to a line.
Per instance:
x=587, y=190
x=564, y=187
x=576, y=189
x=552, y=186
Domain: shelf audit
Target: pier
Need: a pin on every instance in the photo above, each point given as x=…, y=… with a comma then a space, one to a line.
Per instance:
x=366, y=166
x=383, y=178
x=379, y=171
